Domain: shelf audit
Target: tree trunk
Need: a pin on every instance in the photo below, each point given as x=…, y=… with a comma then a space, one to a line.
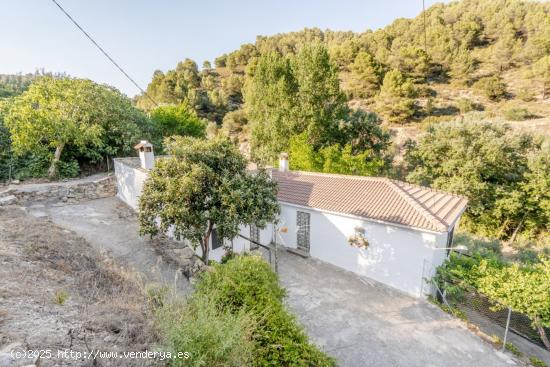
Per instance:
x=516, y=231
x=542, y=333
x=52, y=171
x=205, y=245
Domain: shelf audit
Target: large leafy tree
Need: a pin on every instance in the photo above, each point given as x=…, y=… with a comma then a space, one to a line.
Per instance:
x=320, y=102
x=56, y=114
x=270, y=104
x=290, y=95
x=367, y=75
x=204, y=186
x=488, y=164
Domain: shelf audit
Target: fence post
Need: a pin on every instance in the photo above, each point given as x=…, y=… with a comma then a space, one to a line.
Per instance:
x=506, y=330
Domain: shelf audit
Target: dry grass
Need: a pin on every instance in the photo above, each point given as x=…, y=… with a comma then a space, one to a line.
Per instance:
x=42, y=266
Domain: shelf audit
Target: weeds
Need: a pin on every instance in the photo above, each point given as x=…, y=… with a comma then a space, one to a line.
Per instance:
x=60, y=297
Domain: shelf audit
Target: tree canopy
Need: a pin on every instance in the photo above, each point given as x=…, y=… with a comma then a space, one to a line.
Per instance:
x=204, y=186
x=57, y=115
x=499, y=171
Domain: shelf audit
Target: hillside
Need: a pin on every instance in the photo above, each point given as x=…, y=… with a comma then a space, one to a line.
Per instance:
x=490, y=56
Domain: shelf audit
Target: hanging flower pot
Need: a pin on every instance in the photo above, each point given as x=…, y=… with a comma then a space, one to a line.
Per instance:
x=358, y=238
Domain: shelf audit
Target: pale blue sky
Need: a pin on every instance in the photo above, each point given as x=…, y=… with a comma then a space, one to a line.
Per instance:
x=143, y=36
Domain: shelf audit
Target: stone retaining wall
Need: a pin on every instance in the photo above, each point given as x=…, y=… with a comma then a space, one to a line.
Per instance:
x=70, y=191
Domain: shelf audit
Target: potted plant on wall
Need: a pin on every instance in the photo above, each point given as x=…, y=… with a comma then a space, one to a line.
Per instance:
x=358, y=238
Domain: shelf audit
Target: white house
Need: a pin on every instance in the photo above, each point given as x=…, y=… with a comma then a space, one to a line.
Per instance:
x=391, y=231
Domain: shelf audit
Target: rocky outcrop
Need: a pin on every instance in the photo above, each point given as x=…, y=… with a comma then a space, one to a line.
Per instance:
x=95, y=187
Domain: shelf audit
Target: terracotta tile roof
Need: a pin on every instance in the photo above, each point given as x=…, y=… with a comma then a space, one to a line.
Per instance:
x=372, y=197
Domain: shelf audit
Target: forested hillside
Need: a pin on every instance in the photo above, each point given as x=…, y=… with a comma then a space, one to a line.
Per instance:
x=473, y=55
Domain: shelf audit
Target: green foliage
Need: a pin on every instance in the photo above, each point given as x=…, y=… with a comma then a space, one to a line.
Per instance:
x=411, y=61
x=212, y=336
x=395, y=101
x=537, y=362
x=177, y=120
x=367, y=75
x=489, y=164
x=202, y=186
x=270, y=103
x=491, y=87
x=60, y=297
x=332, y=159
x=524, y=289
x=465, y=105
x=516, y=114
x=461, y=36
x=247, y=284
x=76, y=118
x=541, y=74
x=365, y=152
x=234, y=123
x=462, y=66
x=513, y=349
x=291, y=95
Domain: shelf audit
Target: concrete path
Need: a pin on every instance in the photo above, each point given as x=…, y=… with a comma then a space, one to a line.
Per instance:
x=359, y=322
x=109, y=225
x=363, y=323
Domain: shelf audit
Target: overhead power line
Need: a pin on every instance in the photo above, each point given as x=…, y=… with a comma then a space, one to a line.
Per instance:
x=104, y=52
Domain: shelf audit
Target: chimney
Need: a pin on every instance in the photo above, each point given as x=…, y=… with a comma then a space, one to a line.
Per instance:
x=283, y=162
x=146, y=155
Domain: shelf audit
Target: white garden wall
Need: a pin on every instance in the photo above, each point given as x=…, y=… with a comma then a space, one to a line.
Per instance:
x=129, y=181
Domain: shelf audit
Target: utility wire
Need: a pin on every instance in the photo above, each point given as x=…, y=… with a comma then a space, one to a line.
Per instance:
x=425, y=36
x=104, y=52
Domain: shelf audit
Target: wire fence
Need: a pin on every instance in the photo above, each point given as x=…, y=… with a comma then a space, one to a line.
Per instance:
x=467, y=303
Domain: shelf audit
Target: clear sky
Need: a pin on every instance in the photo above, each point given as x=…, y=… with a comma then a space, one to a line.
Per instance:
x=143, y=36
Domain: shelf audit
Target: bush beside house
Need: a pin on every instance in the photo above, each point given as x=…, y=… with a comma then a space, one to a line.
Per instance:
x=236, y=317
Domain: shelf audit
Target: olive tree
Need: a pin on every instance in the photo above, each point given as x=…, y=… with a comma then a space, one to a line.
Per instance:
x=203, y=186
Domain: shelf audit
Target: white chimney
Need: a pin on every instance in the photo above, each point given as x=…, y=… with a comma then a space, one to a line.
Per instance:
x=146, y=155
x=283, y=162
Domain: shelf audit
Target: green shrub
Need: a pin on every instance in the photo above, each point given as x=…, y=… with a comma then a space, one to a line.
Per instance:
x=525, y=95
x=465, y=105
x=68, y=169
x=492, y=87
x=60, y=297
x=247, y=283
x=516, y=114
x=537, y=362
x=212, y=336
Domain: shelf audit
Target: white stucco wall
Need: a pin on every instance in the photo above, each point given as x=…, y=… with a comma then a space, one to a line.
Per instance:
x=129, y=183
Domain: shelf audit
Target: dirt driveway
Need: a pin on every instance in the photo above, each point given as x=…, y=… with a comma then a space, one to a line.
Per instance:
x=358, y=322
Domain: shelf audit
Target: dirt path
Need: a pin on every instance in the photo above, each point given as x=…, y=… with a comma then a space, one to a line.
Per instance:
x=58, y=293
x=111, y=227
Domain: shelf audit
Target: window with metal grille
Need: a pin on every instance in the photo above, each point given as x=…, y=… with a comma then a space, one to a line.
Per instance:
x=302, y=223
x=216, y=243
x=254, y=236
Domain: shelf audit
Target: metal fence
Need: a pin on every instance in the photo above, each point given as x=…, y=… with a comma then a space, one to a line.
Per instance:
x=501, y=323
